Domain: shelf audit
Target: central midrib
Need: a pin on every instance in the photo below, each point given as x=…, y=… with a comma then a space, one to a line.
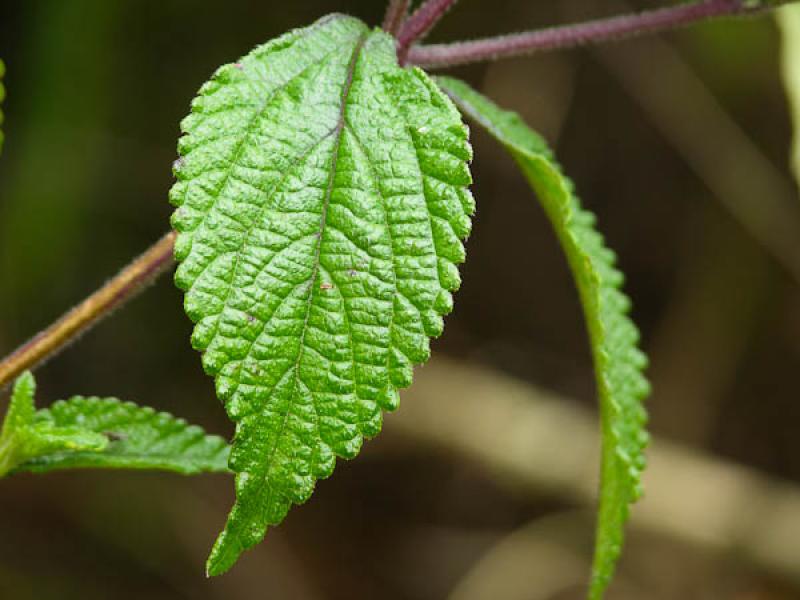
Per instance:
x=328, y=193
x=315, y=271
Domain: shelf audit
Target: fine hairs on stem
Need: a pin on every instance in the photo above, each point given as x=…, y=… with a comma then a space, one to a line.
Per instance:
x=419, y=24
x=127, y=284
x=601, y=30
x=396, y=14
x=408, y=30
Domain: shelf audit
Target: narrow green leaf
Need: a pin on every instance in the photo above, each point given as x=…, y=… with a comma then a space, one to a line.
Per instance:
x=789, y=21
x=135, y=437
x=618, y=361
x=322, y=202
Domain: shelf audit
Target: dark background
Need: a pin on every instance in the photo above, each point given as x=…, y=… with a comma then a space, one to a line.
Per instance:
x=96, y=89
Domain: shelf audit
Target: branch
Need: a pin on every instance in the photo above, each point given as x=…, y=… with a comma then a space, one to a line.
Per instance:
x=567, y=36
x=419, y=25
x=116, y=292
x=517, y=433
x=396, y=14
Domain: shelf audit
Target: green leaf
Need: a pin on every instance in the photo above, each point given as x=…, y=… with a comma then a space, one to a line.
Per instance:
x=618, y=361
x=136, y=437
x=21, y=409
x=789, y=21
x=23, y=438
x=322, y=199
x=101, y=433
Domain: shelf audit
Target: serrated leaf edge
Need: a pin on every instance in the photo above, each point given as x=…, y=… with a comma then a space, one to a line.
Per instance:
x=573, y=218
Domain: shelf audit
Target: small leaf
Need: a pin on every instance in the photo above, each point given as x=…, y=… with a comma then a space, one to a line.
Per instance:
x=322, y=202
x=618, y=361
x=136, y=437
x=101, y=433
x=23, y=438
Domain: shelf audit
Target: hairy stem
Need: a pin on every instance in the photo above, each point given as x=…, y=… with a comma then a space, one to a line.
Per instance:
x=418, y=25
x=116, y=292
x=396, y=14
x=444, y=55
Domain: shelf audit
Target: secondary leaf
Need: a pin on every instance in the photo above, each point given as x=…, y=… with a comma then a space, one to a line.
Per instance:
x=322, y=199
x=618, y=361
x=101, y=433
x=23, y=438
x=137, y=437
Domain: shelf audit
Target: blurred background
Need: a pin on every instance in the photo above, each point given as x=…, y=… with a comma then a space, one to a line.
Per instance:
x=482, y=485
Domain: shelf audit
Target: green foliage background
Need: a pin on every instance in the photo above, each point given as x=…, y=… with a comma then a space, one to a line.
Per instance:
x=91, y=123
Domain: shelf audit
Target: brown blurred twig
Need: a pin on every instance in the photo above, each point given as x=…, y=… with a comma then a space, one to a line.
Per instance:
x=533, y=440
x=703, y=335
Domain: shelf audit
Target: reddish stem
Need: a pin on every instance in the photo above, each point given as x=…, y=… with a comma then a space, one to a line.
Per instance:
x=444, y=55
x=419, y=24
x=396, y=14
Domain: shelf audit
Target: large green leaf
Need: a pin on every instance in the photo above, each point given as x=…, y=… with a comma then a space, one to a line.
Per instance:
x=618, y=361
x=322, y=199
x=101, y=433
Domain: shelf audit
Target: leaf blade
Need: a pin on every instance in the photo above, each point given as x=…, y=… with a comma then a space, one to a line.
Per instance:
x=318, y=247
x=619, y=363
x=135, y=437
x=21, y=409
x=101, y=433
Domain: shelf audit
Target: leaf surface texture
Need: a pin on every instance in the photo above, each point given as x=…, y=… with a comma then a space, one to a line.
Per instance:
x=321, y=206
x=137, y=437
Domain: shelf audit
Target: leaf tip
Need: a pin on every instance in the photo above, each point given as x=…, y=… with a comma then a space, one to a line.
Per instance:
x=21, y=408
x=223, y=556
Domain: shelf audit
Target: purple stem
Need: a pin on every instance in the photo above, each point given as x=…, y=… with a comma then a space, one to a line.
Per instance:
x=419, y=24
x=396, y=14
x=444, y=55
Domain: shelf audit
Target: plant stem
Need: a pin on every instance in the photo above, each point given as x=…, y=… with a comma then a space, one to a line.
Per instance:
x=445, y=55
x=419, y=24
x=396, y=14
x=116, y=292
